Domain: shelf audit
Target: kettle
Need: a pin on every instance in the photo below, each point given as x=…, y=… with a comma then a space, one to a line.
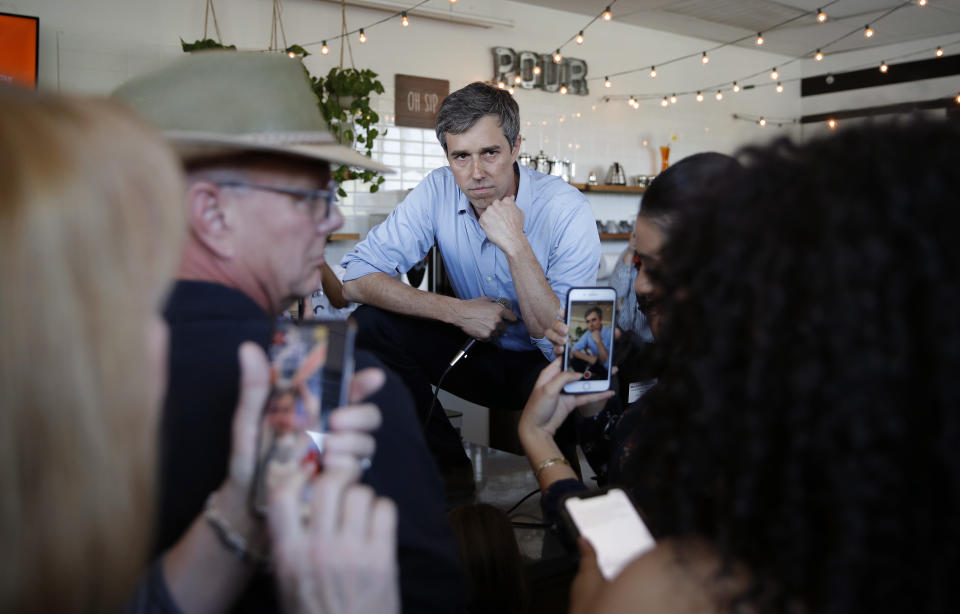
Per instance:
x=616, y=176
x=542, y=163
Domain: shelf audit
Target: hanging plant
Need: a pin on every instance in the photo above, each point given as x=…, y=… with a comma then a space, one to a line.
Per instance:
x=344, y=96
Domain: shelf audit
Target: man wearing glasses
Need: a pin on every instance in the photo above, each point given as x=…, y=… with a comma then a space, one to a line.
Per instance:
x=259, y=209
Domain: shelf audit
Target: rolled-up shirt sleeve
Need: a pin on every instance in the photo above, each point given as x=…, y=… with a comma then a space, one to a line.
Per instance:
x=401, y=241
x=575, y=258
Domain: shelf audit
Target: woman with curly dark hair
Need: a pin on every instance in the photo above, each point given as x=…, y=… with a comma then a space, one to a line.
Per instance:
x=802, y=444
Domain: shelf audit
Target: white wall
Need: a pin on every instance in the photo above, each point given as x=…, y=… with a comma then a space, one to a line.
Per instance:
x=94, y=45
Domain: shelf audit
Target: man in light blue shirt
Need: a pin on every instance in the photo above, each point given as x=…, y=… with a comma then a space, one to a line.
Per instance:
x=503, y=231
x=591, y=353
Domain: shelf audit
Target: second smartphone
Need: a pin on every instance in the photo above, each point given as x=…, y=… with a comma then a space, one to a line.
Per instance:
x=591, y=317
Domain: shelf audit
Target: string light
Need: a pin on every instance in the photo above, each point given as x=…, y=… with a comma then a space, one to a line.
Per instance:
x=563, y=88
x=719, y=95
x=883, y=66
x=867, y=31
x=759, y=38
x=607, y=82
x=819, y=56
x=821, y=16
x=557, y=57
x=517, y=79
x=704, y=59
x=324, y=49
x=607, y=14
x=736, y=87
x=922, y=2
x=403, y=19
x=957, y=98
x=673, y=99
x=631, y=101
x=779, y=87
x=762, y=122
x=832, y=124
x=653, y=72
x=664, y=102
x=774, y=74
x=939, y=52
x=291, y=54
x=580, y=37
x=510, y=89
x=501, y=84
x=363, y=37
x=699, y=97
x=536, y=69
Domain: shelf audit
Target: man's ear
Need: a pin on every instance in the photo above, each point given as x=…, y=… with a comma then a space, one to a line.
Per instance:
x=209, y=218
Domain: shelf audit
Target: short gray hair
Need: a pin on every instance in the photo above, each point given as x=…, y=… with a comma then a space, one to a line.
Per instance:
x=463, y=108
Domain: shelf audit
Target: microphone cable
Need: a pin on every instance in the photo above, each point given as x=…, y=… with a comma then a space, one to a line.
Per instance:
x=504, y=303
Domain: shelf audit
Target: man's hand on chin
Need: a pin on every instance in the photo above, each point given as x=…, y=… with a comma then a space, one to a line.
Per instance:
x=502, y=221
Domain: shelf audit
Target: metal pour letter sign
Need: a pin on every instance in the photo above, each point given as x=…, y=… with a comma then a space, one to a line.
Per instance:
x=507, y=64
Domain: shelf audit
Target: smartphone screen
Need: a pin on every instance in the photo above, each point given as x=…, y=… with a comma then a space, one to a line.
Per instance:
x=610, y=522
x=591, y=314
x=311, y=364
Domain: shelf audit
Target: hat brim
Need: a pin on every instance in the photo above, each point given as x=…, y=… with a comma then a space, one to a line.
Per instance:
x=192, y=147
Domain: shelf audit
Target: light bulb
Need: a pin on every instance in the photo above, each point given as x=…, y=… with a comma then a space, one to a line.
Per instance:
x=630, y=102
x=939, y=52
x=759, y=38
x=832, y=124
x=673, y=99
x=510, y=89
x=517, y=79
x=607, y=15
x=580, y=37
x=821, y=16
x=867, y=31
x=774, y=74
x=607, y=82
x=324, y=49
x=664, y=102
x=719, y=95
x=563, y=88
x=736, y=87
x=291, y=54
x=957, y=98
x=653, y=72
x=883, y=67
x=779, y=87
x=403, y=19
x=704, y=59
x=501, y=84
x=536, y=69
x=363, y=37
x=762, y=122
x=922, y=2
x=699, y=97
x=557, y=57
x=819, y=56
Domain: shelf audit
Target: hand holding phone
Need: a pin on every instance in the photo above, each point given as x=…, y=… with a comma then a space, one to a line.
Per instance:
x=590, y=317
x=311, y=364
x=612, y=525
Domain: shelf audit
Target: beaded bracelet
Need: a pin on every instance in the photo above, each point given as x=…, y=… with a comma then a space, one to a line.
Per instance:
x=232, y=541
x=549, y=462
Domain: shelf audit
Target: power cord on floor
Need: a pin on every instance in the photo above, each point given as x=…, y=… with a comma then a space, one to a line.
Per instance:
x=525, y=497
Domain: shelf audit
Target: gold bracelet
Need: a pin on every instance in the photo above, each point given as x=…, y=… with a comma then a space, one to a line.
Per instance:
x=549, y=462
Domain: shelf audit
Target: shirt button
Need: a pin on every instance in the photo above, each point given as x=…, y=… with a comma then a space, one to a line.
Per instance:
x=489, y=279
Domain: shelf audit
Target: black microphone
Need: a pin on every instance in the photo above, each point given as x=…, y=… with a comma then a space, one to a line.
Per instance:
x=506, y=304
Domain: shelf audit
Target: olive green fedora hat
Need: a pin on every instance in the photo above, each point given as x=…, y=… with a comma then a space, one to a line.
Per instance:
x=216, y=103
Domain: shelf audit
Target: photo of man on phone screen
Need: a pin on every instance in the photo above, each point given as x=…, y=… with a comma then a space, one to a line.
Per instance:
x=591, y=352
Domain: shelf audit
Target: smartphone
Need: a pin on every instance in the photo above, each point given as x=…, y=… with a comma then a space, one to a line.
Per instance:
x=311, y=365
x=610, y=522
x=591, y=314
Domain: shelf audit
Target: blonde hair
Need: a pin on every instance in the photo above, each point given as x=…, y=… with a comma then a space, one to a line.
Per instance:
x=90, y=230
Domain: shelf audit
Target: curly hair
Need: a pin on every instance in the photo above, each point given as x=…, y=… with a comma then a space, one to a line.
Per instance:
x=808, y=423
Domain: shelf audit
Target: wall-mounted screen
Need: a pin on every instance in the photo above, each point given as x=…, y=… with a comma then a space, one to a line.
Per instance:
x=18, y=49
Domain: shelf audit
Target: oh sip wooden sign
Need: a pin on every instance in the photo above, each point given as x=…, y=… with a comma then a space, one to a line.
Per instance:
x=539, y=71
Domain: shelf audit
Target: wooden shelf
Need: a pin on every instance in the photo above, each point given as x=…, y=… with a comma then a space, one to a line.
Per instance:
x=344, y=236
x=614, y=236
x=609, y=189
